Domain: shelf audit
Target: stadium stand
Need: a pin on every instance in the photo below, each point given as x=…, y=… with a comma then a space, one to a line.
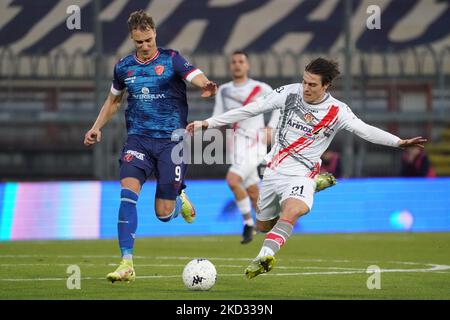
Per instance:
x=52, y=78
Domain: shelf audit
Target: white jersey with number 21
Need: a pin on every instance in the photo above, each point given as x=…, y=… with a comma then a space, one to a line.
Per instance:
x=304, y=131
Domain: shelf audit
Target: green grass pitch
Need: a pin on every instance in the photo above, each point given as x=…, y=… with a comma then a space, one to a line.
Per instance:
x=309, y=266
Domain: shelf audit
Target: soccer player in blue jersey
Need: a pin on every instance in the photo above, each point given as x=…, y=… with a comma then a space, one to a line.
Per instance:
x=157, y=106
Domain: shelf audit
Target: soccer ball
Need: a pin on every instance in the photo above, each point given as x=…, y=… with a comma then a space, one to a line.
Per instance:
x=199, y=274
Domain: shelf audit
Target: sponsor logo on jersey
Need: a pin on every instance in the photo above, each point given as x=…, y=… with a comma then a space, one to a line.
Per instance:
x=131, y=153
x=145, y=90
x=308, y=117
x=149, y=96
x=298, y=125
x=128, y=157
x=129, y=79
x=159, y=69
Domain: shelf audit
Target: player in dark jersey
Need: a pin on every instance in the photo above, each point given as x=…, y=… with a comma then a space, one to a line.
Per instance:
x=157, y=107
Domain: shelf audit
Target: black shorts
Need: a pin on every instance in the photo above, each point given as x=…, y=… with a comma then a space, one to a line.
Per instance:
x=142, y=157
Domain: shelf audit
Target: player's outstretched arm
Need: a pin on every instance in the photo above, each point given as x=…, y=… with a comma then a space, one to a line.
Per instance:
x=209, y=88
x=196, y=126
x=110, y=107
x=377, y=135
x=417, y=141
x=265, y=104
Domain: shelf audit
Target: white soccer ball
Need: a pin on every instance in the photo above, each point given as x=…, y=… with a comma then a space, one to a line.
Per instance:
x=199, y=274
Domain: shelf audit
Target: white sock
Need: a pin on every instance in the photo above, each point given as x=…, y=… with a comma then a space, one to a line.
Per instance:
x=127, y=257
x=244, y=205
x=265, y=251
x=249, y=222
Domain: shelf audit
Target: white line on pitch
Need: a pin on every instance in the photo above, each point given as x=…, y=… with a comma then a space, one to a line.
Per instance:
x=154, y=257
x=14, y=265
x=432, y=269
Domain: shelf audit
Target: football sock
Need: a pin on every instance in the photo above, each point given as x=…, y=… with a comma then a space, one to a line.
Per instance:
x=176, y=211
x=245, y=208
x=249, y=222
x=127, y=257
x=276, y=238
x=127, y=223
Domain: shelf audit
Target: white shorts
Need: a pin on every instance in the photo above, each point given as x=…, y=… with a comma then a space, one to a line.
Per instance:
x=245, y=157
x=247, y=172
x=276, y=188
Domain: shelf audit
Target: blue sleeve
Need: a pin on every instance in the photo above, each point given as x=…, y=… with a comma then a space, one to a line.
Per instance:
x=117, y=83
x=181, y=66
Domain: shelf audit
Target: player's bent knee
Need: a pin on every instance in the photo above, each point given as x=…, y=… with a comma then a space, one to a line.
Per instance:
x=233, y=180
x=233, y=183
x=253, y=192
x=292, y=209
x=132, y=184
x=164, y=209
x=265, y=226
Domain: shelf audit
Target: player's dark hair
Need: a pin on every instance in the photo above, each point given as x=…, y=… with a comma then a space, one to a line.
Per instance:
x=327, y=69
x=140, y=20
x=240, y=52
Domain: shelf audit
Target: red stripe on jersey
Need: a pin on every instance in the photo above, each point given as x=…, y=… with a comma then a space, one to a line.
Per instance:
x=276, y=237
x=315, y=171
x=329, y=117
x=251, y=96
x=283, y=153
x=297, y=149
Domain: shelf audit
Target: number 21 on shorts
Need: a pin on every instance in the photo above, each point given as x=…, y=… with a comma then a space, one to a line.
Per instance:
x=297, y=191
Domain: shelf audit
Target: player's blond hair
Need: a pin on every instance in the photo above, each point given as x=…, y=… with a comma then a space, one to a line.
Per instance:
x=140, y=20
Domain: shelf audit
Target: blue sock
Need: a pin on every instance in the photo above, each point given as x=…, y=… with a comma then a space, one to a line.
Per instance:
x=127, y=223
x=176, y=211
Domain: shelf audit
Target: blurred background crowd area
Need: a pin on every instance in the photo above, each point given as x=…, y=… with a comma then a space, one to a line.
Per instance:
x=54, y=79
